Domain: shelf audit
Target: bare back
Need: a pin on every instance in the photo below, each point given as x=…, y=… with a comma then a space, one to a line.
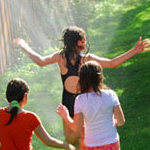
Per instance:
x=72, y=81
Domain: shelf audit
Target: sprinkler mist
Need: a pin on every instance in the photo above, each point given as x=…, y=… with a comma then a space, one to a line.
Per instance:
x=40, y=23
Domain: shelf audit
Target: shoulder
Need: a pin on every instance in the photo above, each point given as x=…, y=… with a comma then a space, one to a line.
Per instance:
x=2, y=109
x=30, y=114
x=93, y=57
x=108, y=92
x=81, y=96
x=31, y=117
x=54, y=57
x=57, y=54
x=87, y=57
x=90, y=56
x=111, y=96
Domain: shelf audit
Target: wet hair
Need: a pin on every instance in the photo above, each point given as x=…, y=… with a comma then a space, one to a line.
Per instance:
x=70, y=37
x=16, y=89
x=91, y=76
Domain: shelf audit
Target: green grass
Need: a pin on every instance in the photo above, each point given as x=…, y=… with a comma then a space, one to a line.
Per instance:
x=111, y=32
x=132, y=84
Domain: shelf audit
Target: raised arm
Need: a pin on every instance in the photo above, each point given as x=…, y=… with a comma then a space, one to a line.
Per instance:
x=50, y=141
x=119, y=115
x=112, y=63
x=38, y=59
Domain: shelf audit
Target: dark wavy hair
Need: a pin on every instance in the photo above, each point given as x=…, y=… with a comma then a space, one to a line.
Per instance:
x=91, y=76
x=70, y=37
x=16, y=89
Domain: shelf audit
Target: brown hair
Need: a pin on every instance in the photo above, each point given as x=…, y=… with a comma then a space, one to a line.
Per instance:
x=70, y=37
x=16, y=89
x=91, y=76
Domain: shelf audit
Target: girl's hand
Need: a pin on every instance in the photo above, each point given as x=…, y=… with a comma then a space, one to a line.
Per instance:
x=62, y=111
x=20, y=42
x=142, y=45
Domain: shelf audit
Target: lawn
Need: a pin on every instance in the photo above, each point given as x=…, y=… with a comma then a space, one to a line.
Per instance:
x=114, y=28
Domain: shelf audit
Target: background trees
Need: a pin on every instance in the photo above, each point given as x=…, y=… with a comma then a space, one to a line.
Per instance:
x=112, y=26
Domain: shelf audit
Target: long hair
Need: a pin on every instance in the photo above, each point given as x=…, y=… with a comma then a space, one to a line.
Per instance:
x=70, y=37
x=16, y=89
x=91, y=76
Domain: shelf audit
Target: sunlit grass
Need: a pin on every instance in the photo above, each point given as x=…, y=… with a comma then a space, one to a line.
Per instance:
x=114, y=28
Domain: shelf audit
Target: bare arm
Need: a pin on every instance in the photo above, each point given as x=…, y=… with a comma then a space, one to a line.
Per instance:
x=119, y=115
x=74, y=124
x=38, y=59
x=50, y=141
x=112, y=63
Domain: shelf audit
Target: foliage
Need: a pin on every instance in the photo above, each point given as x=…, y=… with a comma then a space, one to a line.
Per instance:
x=114, y=28
x=116, y=32
x=44, y=95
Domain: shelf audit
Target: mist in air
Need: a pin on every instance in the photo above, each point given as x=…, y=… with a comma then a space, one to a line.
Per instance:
x=40, y=23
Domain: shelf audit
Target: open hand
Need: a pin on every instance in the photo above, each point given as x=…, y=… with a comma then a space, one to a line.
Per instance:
x=20, y=42
x=142, y=45
x=62, y=111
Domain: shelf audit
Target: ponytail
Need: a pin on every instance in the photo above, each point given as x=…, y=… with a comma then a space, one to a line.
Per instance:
x=15, y=91
x=14, y=110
